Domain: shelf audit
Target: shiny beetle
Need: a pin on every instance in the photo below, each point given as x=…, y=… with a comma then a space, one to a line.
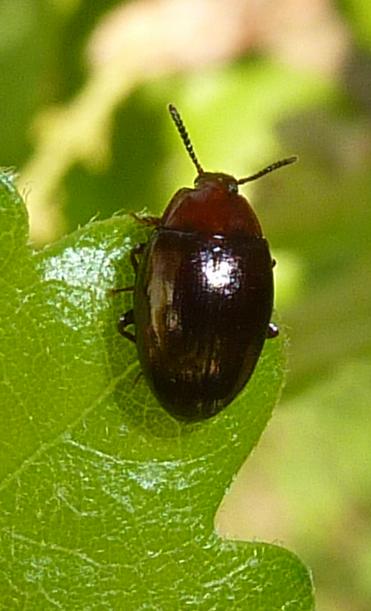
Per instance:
x=203, y=293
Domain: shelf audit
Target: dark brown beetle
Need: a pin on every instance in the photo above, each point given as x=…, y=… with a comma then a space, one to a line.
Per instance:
x=203, y=294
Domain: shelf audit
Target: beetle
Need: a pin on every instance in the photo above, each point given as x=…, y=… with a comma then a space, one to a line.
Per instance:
x=203, y=293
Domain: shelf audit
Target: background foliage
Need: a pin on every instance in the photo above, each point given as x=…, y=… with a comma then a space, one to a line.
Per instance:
x=83, y=101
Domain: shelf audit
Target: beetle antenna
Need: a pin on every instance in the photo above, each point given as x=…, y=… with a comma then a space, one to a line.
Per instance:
x=185, y=137
x=268, y=169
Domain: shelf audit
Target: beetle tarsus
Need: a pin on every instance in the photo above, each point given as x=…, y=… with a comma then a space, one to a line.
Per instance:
x=137, y=378
x=272, y=330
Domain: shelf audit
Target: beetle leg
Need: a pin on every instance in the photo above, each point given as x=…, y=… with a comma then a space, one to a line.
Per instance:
x=274, y=262
x=152, y=221
x=121, y=290
x=137, y=250
x=272, y=331
x=137, y=378
x=126, y=320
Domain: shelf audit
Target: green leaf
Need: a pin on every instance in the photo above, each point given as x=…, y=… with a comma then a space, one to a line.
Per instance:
x=105, y=501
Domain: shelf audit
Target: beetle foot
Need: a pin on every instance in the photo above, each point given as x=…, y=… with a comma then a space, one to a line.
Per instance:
x=126, y=320
x=272, y=331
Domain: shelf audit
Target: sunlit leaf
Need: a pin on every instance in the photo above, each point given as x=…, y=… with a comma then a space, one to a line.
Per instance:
x=106, y=502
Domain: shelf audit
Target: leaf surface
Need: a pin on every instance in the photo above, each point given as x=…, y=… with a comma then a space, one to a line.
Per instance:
x=106, y=502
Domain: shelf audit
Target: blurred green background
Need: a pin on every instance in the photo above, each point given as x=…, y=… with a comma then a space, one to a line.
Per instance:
x=83, y=98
